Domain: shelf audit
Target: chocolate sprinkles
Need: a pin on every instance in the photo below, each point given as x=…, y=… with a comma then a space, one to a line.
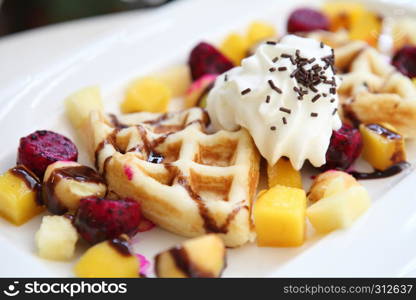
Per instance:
x=271, y=43
x=274, y=87
x=314, y=115
x=335, y=111
x=273, y=128
x=284, y=120
x=272, y=69
x=286, y=110
x=281, y=69
x=246, y=91
x=315, y=98
x=267, y=99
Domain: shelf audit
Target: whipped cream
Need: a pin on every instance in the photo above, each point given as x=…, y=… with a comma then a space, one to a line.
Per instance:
x=285, y=96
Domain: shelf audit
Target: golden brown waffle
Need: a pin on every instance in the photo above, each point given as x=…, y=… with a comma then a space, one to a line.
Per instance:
x=205, y=182
x=372, y=91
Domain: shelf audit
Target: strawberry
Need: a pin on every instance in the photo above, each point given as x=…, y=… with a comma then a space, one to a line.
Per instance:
x=41, y=148
x=344, y=148
x=206, y=59
x=98, y=219
x=306, y=20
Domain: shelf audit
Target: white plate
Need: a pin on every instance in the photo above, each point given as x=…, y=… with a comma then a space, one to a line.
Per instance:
x=41, y=68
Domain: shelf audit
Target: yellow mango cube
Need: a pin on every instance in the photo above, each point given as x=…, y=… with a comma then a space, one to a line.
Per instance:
x=284, y=174
x=367, y=28
x=104, y=260
x=383, y=146
x=18, y=202
x=235, y=47
x=343, y=14
x=146, y=94
x=205, y=257
x=279, y=217
x=80, y=104
x=177, y=78
x=259, y=31
x=339, y=210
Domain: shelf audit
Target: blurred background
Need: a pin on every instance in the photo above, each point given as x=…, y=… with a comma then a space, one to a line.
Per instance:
x=19, y=15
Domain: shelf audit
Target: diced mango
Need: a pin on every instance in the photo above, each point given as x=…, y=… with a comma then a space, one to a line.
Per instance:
x=342, y=14
x=205, y=257
x=177, y=78
x=383, y=146
x=104, y=260
x=56, y=238
x=414, y=81
x=146, y=94
x=17, y=201
x=279, y=217
x=367, y=29
x=80, y=104
x=339, y=210
x=338, y=201
x=284, y=174
x=259, y=31
x=235, y=47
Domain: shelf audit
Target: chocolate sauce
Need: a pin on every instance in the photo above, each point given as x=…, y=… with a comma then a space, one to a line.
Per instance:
x=122, y=245
x=77, y=173
x=116, y=122
x=393, y=170
x=391, y=135
x=155, y=158
x=31, y=181
x=184, y=264
x=210, y=224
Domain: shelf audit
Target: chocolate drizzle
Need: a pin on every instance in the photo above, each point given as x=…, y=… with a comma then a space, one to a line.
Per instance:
x=31, y=181
x=393, y=170
x=210, y=224
x=388, y=134
x=77, y=173
x=182, y=261
x=121, y=244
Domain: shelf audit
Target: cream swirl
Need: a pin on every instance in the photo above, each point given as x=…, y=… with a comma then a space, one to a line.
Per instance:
x=285, y=96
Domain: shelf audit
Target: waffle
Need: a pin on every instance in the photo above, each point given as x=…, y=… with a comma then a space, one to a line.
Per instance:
x=204, y=184
x=372, y=91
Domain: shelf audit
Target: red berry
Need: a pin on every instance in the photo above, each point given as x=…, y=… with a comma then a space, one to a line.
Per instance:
x=405, y=61
x=98, y=219
x=344, y=148
x=40, y=149
x=206, y=59
x=306, y=20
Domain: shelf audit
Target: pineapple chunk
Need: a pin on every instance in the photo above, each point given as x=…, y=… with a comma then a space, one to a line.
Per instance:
x=382, y=145
x=199, y=257
x=235, y=47
x=341, y=203
x=259, y=31
x=56, y=238
x=279, y=216
x=343, y=14
x=105, y=260
x=177, y=78
x=146, y=94
x=80, y=104
x=284, y=174
x=18, y=201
